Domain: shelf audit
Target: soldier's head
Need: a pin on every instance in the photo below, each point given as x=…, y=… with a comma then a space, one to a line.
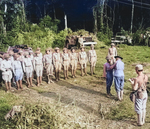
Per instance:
x=108, y=58
x=10, y=53
x=47, y=51
x=20, y=52
x=65, y=50
x=81, y=35
x=30, y=52
x=92, y=46
x=38, y=49
x=16, y=56
x=72, y=49
x=82, y=48
x=37, y=53
x=26, y=54
x=112, y=44
x=6, y=56
x=57, y=50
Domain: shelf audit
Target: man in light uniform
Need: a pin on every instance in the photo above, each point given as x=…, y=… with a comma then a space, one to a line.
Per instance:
x=57, y=62
x=73, y=62
x=28, y=68
x=38, y=67
x=11, y=58
x=6, y=67
x=39, y=49
x=92, y=59
x=65, y=62
x=17, y=70
x=80, y=40
x=47, y=60
x=112, y=52
x=83, y=60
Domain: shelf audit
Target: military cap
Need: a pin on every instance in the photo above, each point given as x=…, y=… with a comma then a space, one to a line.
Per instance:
x=112, y=44
x=56, y=48
x=37, y=52
x=38, y=49
x=82, y=47
x=64, y=49
x=108, y=58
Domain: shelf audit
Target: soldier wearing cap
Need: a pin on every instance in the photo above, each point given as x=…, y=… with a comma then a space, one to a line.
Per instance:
x=38, y=67
x=65, y=62
x=139, y=85
x=6, y=67
x=112, y=52
x=28, y=68
x=92, y=59
x=18, y=71
x=119, y=76
x=108, y=74
x=73, y=62
x=57, y=63
x=83, y=60
x=39, y=49
x=48, y=64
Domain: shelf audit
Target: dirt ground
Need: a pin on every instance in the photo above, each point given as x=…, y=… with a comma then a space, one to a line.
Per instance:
x=85, y=104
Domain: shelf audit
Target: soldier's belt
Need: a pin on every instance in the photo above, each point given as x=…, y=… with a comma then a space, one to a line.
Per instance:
x=28, y=66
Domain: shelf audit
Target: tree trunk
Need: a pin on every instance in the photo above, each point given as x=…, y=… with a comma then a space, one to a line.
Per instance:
x=132, y=15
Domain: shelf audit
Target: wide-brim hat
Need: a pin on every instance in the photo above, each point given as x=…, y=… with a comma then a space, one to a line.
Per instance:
x=112, y=44
x=118, y=57
x=37, y=52
x=26, y=53
x=82, y=47
x=64, y=49
x=6, y=56
x=56, y=48
x=73, y=48
x=47, y=49
x=139, y=67
x=108, y=58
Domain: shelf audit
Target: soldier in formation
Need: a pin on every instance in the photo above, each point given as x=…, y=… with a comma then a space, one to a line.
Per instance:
x=22, y=64
x=112, y=52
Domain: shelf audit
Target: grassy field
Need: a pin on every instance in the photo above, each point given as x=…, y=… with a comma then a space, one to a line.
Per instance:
x=87, y=93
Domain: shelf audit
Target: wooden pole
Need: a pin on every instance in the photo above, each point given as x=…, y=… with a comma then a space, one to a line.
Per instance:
x=132, y=15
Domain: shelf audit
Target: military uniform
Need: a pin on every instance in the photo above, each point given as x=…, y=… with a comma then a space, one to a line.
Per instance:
x=73, y=63
x=92, y=59
x=28, y=68
x=83, y=61
x=112, y=52
x=47, y=60
x=57, y=63
x=65, y=63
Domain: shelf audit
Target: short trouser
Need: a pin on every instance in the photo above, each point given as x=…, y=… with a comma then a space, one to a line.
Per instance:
x=39, y=70
x=66, y=65
x=119, y=83
x=49, y=69
x=18, y=75
x=73, y=64
x=83, y=64
x=57, y=66
x=140, y=104
x=93, y=61
x=29, y=72
x=7, y=76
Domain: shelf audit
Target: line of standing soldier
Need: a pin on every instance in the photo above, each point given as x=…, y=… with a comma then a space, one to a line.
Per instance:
x=14, y=66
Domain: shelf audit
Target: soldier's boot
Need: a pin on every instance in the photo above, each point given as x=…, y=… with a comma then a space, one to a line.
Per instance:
x=48, y=79
x=139, y=119
x=65, y=74
x=38, y=82
x=118, y=95
x=143, y=116
x=82, y=72
x=85, y=71
x=121, y=94
x=58, y=75
x=72, y=73
x=91, y=70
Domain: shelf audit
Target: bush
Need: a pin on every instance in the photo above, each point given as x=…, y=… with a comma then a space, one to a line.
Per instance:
x=104, y=38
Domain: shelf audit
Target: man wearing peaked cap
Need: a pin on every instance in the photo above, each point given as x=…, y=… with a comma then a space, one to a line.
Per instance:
x=112, y=52
x=92, y=59
x=48, y=65
x=57, y=60
x=6, y=67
